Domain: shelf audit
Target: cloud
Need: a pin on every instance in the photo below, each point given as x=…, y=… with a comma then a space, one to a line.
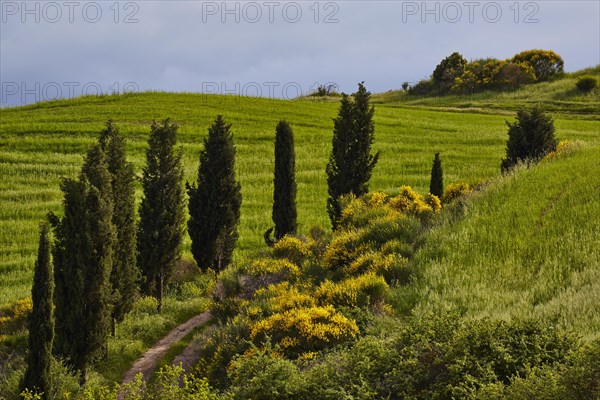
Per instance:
x=182, y=45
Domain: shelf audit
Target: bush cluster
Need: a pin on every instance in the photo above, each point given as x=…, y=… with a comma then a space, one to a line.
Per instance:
x=456, y=75
x=309, y=294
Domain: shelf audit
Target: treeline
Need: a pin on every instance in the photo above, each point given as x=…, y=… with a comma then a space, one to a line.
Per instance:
x=455, y=75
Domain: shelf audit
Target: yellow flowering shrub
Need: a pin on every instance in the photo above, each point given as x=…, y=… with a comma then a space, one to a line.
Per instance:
x=434, y=202
x=562, y=146
x=282, y=268
x=13, y=318
x=378, y=199
x=391, y=266
x=282, y=297
x=343, y=249
x=305, y=330
x=292, y=249
x=410, y=202
x=361, y=291
x=454, y=191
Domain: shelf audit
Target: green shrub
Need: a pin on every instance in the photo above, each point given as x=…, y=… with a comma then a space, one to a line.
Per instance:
x=219, y=347
x=145, y=306
x=530, y=138
x=263, y=374
x=586, y=83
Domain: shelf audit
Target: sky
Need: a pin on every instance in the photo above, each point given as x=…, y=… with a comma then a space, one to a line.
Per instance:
x=280, y=49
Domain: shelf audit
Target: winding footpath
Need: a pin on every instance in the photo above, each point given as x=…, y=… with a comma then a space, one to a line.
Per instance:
x=147, y=363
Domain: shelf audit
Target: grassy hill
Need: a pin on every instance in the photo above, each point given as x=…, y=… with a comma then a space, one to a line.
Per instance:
x=525, y=246
x=40, y=143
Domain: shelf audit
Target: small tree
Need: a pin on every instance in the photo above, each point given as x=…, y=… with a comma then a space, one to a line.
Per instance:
x=41, y=320
x=436, y=184
x=530, y=138
x=447, y=70
x=125, y=274
x=545, y=63
x=215, y=203
x=162, y=211
x=351, y=162
x=284, y=193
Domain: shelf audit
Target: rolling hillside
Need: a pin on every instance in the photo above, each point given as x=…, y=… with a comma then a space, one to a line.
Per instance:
x=41, y=143
x=525, y=246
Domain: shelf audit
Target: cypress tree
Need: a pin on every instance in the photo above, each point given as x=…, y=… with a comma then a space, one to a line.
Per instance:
x=215, y=202
x=125, y=274
x=351, y=162
x=83, y=257
x=41, y=320
x=530, y=138
x=162, y=213
x=284, y=194
x=436, y=184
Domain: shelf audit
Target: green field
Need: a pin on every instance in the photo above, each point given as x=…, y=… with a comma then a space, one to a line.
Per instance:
x=41, y=143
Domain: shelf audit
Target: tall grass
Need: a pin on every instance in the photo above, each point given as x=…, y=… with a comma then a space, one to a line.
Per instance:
x=528, y=245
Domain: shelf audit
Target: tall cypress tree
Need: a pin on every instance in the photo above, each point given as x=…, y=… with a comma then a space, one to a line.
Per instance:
x=284, y=193
x=125, y=274
x=162, y=211
x=215, y=202
x=41, y=320
x=351, y=162
x=436, y=184
x=83, y=257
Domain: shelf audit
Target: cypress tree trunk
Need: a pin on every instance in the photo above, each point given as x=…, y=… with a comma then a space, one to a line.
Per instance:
x=41, y=320
x=162, y=214
x=215, y=202
x=284, y=182
x=436, y=183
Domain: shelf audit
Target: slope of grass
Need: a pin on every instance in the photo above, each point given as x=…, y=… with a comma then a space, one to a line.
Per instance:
x=43, y=142
x=528, y=245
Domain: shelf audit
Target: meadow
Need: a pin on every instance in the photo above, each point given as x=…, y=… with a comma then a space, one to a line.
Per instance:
x=41, y=143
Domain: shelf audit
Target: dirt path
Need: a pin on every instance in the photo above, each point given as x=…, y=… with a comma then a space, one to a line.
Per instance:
x=188, y=356
x=147, y=363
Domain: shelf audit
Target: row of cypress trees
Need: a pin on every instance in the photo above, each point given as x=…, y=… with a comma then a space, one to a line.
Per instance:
x=102, y=259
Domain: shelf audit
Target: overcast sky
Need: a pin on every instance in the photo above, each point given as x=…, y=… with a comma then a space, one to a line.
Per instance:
x=269, y=48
